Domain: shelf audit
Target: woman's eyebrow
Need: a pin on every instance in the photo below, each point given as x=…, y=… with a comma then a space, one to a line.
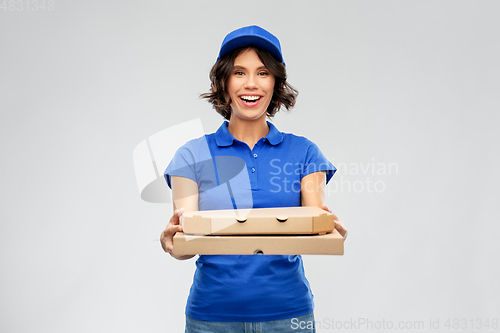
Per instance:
x=242, y=67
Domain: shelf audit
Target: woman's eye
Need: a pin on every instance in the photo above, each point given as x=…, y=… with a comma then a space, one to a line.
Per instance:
x=238, y=73
x=263, y=73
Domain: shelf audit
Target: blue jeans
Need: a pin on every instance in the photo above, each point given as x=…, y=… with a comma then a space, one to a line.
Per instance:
x=300, y=324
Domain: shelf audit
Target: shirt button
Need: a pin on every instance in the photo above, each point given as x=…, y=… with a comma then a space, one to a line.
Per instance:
x=255, y=155
x=253, y=169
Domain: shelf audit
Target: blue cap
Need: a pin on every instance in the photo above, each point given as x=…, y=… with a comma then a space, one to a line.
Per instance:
x=252, y=35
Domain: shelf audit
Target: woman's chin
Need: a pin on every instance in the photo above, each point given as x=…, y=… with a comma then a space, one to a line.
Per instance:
x=249, y=115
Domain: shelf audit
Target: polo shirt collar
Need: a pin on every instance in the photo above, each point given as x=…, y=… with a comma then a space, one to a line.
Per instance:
x=224, y=138
x=274, y=136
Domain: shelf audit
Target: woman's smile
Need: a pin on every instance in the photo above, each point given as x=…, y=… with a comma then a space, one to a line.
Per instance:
x=250, y=100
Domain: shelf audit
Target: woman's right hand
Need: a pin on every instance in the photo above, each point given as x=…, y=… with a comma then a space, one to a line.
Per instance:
x=184, y=194
x=167, y=236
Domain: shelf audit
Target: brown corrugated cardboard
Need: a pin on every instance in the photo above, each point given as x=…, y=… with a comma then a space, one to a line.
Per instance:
x=331, y=243
x=260, y=221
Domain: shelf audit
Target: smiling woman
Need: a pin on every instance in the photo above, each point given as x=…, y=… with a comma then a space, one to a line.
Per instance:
x=248, y=293
x=250, y=88
x=284, y=95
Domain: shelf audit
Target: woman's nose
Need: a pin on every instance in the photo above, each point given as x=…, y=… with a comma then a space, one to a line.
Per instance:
x=251, y=82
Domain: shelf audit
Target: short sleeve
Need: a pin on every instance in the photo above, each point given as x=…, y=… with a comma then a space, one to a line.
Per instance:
x=182, y=164
x=316, y=161
x=194, y=161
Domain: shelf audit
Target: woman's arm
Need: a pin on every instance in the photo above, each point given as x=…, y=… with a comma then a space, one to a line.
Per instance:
x=312, y=189
x=312, y=193
x=185, y=198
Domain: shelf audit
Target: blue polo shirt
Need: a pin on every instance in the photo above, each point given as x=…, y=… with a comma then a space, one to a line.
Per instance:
x=230, y=175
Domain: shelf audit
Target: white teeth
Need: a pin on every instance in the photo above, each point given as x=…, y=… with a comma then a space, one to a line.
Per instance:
x=250, y=98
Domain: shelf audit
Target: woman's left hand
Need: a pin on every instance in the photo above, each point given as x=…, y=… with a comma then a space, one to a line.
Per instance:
x=338, y=225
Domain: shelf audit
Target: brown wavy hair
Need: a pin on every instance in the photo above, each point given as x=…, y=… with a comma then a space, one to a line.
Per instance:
x=284, y=94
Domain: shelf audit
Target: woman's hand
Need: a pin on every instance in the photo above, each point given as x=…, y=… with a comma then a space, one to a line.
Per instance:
x=173, y=226
x=338, y=225
x=167, y=236
x=184, y=194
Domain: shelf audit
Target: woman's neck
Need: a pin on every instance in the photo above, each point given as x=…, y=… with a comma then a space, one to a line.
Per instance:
x=248, y=131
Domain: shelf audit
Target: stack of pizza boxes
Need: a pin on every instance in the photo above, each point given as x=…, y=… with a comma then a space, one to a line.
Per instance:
x=289, y=230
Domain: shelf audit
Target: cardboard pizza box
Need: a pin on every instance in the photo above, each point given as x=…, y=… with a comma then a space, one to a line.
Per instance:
x=330, y=243
x=259, y=221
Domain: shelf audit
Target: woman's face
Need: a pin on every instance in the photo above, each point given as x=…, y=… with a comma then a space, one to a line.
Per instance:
x=250, y=86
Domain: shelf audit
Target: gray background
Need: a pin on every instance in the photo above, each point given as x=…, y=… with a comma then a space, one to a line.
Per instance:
x=412, y=83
